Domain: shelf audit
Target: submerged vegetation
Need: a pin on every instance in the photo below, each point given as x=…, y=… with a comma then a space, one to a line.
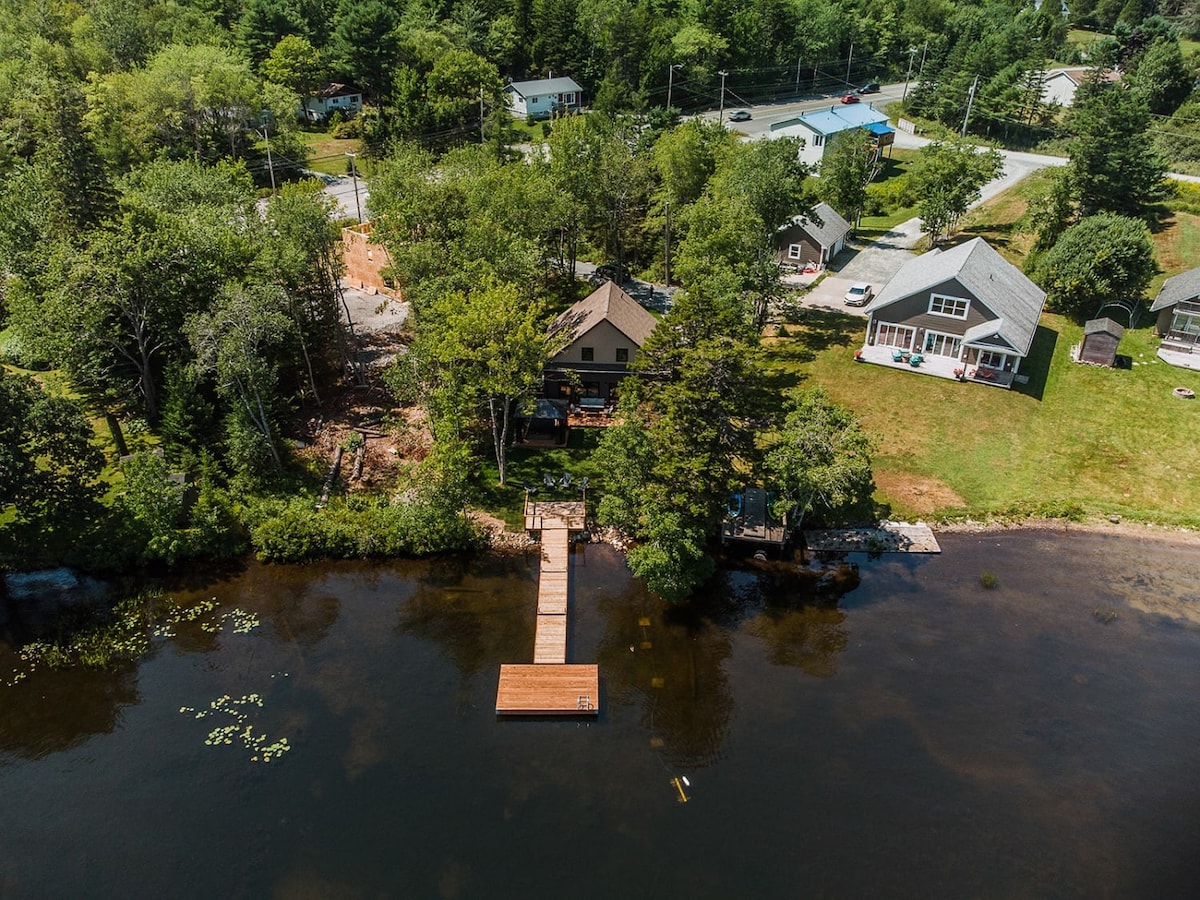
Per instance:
x=109, y=637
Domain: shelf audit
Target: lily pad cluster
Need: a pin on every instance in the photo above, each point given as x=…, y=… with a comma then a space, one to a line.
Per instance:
x=126, y=633
x=263, y=748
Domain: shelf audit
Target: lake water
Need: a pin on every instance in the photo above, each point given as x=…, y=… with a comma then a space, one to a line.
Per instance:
x=916, y=736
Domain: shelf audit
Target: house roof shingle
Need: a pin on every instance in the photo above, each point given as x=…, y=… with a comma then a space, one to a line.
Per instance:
x=1185, y=286
x=561, y=85
x=1106, y=325
x=1015, y=300
x=831, y=229
x=607, y=302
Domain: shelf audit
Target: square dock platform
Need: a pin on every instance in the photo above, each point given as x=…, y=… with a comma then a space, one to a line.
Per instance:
x=548, y=690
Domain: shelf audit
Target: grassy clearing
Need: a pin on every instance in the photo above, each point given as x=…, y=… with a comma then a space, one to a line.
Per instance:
x=328, y=154
x=895, y=167
x=527, y=465
x=1075, y=439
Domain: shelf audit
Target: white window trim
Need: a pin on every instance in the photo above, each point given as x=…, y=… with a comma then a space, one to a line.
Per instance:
x=933, y=298
x=794, y=251
x=987, y=365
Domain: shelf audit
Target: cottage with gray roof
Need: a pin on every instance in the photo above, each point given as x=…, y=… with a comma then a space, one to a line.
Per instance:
x=1178, y=308
x=964, y=312
x=812, y=239
x=599, y=337
x=544, y=97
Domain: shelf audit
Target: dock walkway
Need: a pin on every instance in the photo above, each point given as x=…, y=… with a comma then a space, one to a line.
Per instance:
x=550, y=686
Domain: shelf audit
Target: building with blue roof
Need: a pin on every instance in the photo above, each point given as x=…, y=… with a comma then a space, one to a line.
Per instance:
x=819, y=127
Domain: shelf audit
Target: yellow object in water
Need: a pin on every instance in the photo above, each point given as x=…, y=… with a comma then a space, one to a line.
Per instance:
x=683, y=797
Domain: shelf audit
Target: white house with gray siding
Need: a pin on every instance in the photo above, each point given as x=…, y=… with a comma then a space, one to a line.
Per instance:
x=966, y=311
x=543, y=98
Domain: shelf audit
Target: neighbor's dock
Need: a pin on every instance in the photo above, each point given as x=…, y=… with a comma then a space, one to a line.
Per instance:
x=550, y=686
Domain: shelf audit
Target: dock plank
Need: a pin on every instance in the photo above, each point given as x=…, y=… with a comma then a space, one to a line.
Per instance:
x=550, y=642
x=548, y=690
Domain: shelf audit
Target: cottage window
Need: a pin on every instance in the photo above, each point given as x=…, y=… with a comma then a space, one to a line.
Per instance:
x=794, y=251
x=990, y=359
x=587, y=354
x=954, y=307
x=622, y=354
x=818, y=140
x=533, y=101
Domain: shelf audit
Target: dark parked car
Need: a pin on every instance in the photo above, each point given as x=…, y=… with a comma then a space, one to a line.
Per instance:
x=871, y=87
x=740, y=115
x=613, y=272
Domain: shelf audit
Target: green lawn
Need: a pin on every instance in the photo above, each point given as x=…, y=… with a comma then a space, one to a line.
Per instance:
x=328, y=154
x=527, y=465
x=1076, y=439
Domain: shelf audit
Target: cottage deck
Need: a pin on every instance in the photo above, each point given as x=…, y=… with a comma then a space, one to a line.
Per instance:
x=937, y=366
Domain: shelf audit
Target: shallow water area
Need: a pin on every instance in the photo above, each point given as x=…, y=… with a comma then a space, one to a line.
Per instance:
x=920, y=735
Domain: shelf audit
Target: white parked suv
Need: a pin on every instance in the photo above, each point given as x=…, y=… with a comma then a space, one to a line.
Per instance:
x=858, y=295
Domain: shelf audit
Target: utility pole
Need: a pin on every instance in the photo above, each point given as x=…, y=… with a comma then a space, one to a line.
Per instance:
x=481, y=114
x=671, y=80
x=266, y=131
x=798, y=64
x=721, y=115
x=848, y=61
x=354, y=174
x=970, y=100
x=912, y=54
x=667, y=247
x=921, y=71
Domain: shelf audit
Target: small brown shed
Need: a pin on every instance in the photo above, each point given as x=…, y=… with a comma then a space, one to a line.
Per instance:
x=1100, y=339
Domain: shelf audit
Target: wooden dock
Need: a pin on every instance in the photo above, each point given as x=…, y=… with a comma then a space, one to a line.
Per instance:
x=550, y=686
x=541, y=690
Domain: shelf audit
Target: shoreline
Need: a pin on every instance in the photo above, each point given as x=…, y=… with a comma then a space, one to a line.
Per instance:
x=501, y=540
x=1124, y=528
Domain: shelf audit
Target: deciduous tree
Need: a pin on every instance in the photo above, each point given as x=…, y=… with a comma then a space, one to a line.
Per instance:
x=947, y=178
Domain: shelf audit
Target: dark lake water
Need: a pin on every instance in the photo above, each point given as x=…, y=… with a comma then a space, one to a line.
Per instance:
x=916, y=736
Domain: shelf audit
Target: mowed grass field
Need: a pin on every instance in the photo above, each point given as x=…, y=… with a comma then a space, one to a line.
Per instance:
x=1076, y=440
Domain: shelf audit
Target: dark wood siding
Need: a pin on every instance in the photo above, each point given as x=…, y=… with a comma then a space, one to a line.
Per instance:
x=809, y=251
x=914, y=311
x=1099, y=348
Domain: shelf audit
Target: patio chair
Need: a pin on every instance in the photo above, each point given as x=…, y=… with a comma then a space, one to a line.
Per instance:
x=915, y=360
x=897, y=356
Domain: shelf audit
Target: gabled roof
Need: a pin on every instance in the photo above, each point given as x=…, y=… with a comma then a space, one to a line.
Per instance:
x=335, y=89
x=835, y=119
x=831, y=229
x=1105, y=326
x=607, y=303
x=1013, y=299
x=1185, y=286
x=1078, y=74
x=562, y=85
